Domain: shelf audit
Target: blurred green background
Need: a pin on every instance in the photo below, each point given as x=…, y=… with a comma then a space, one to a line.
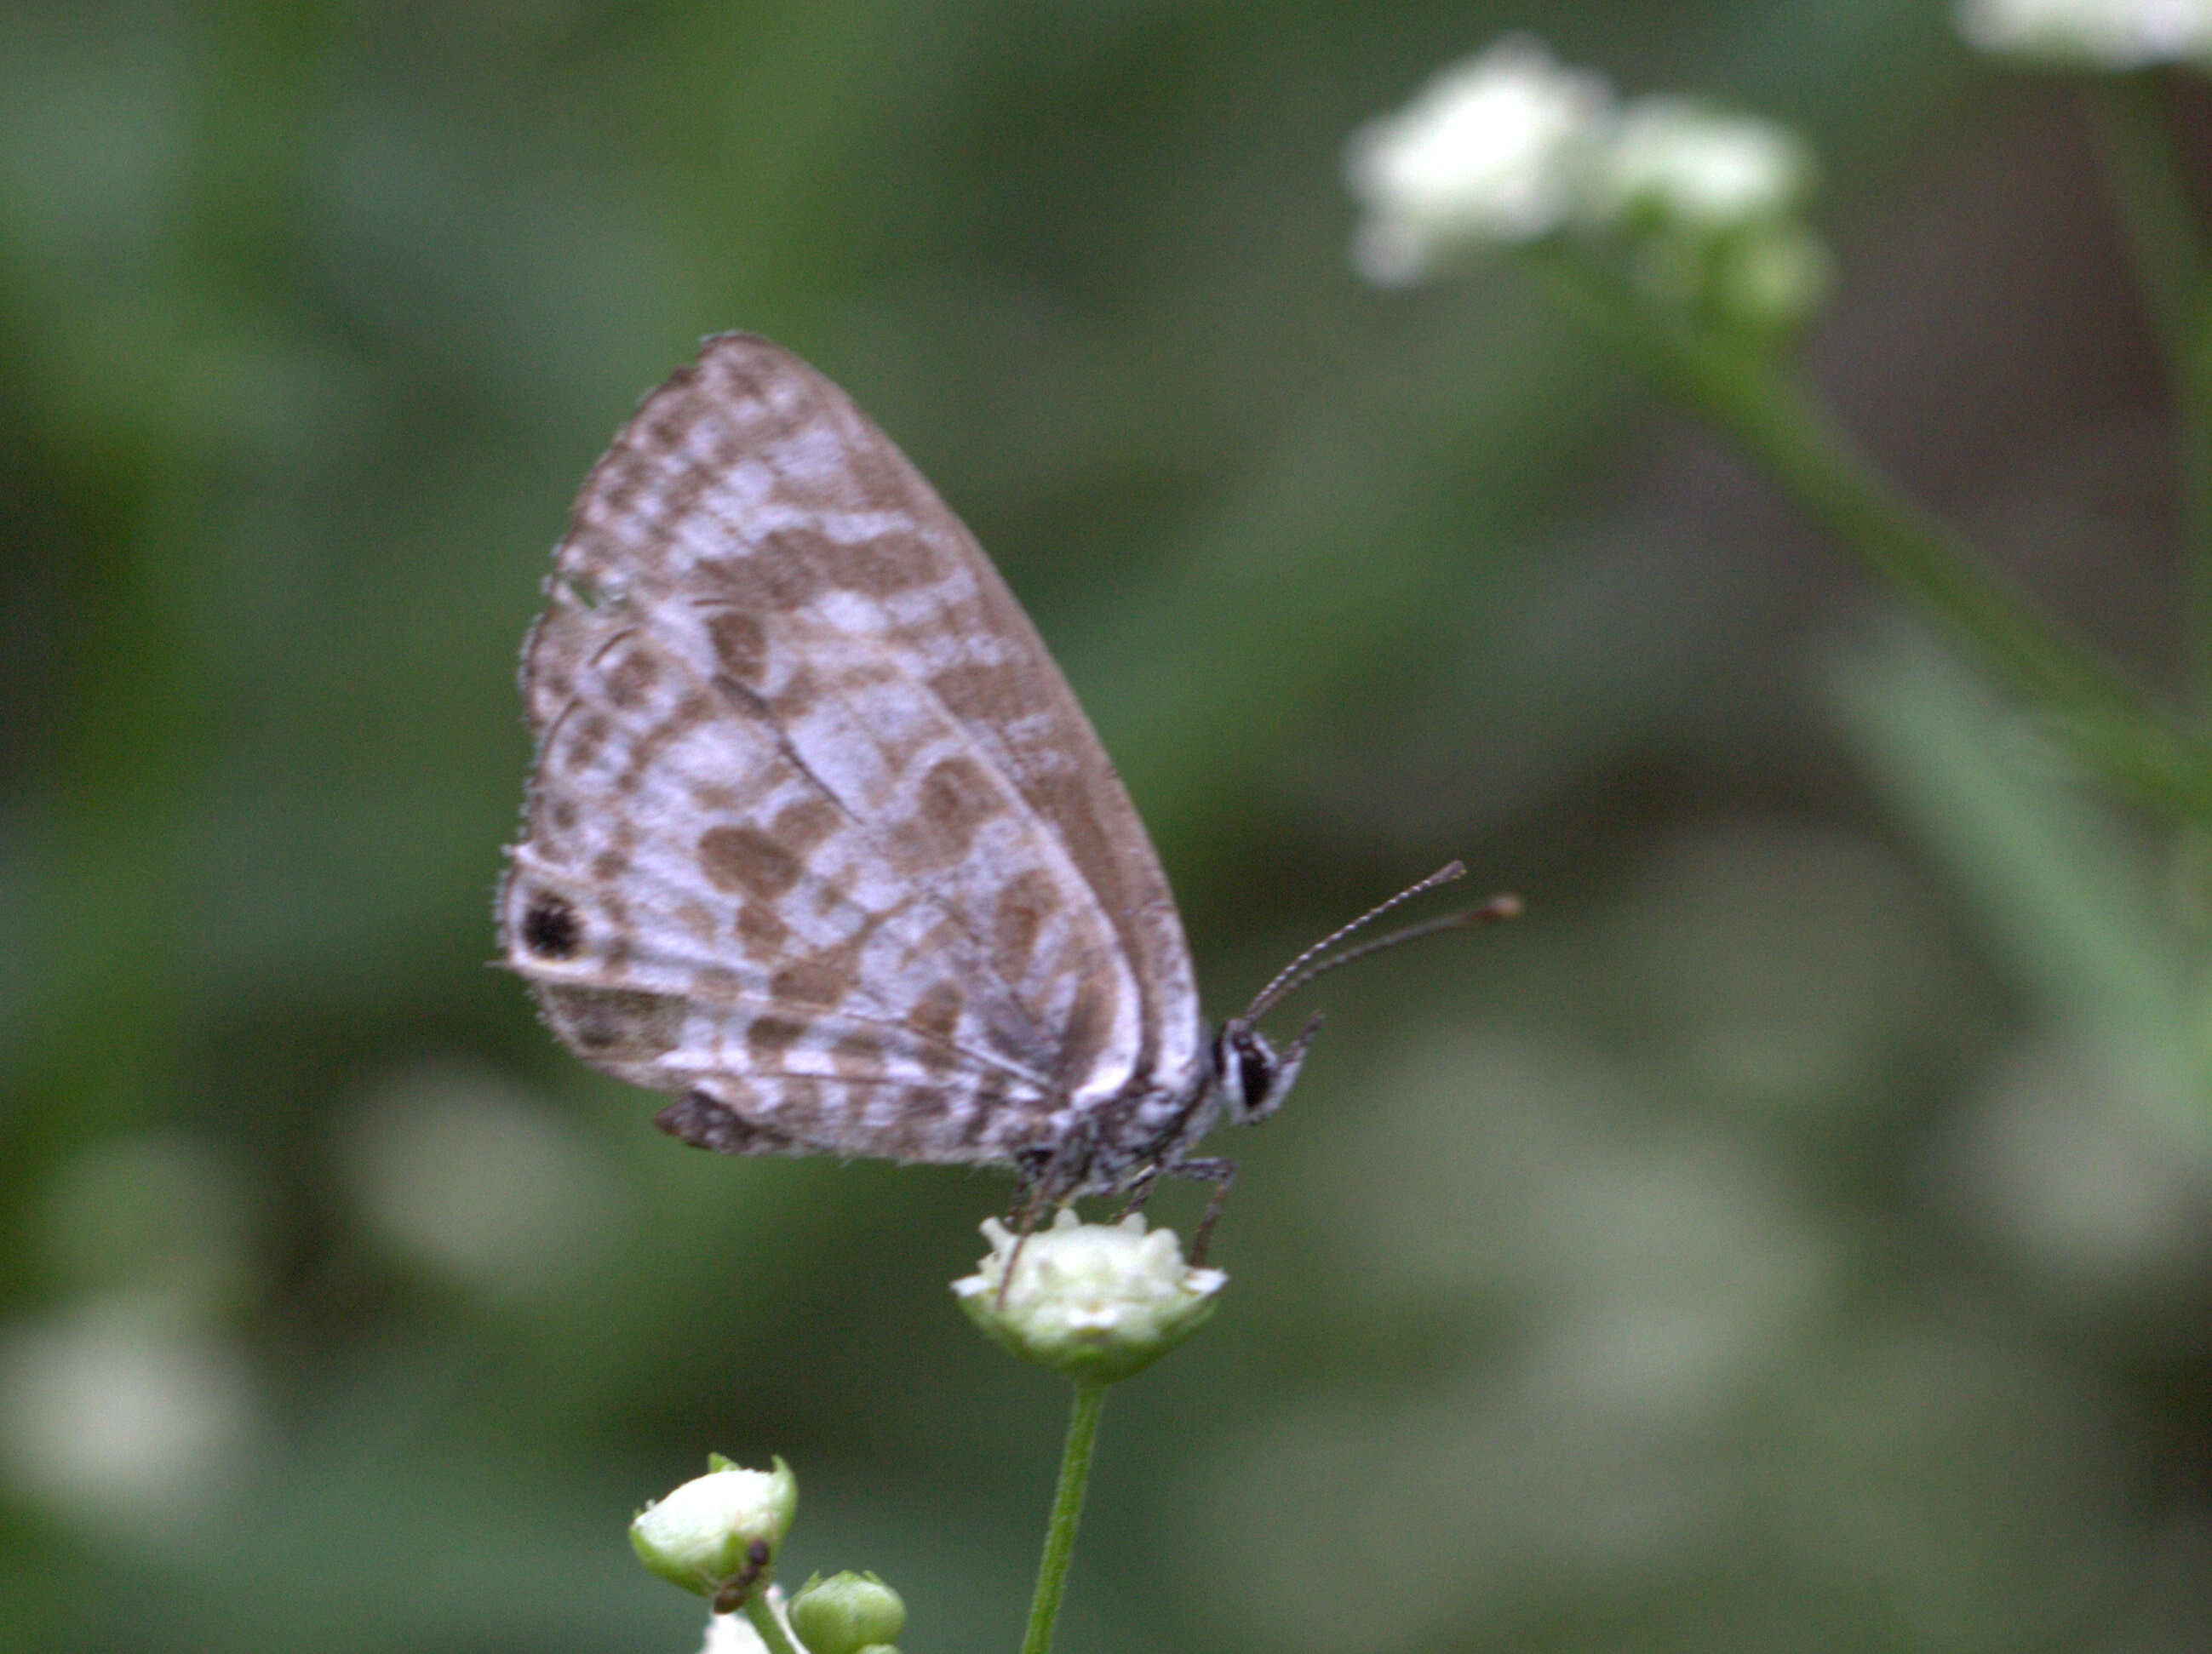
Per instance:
x=1792, y=1235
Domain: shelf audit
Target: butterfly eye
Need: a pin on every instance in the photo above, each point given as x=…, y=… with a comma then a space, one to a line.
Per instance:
x=1255, y=1070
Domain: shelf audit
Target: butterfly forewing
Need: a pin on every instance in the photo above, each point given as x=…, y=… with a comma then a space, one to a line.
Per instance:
x=819, y=840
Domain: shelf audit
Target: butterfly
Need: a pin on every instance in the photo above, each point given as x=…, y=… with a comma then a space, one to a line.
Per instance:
x=818, y=842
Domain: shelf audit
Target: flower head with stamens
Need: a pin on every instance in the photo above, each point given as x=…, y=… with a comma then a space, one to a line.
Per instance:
x=1096, y=1301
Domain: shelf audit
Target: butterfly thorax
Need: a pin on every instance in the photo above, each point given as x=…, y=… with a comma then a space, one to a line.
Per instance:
x=1240, y=1078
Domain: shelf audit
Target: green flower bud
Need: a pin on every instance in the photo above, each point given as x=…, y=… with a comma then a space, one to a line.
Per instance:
x=1774, y=278
x=1096, y=1301
x=846, y=1613
x=719, y=1534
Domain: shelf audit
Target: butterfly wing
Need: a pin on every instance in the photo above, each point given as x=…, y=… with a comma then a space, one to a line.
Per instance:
x=819, y=839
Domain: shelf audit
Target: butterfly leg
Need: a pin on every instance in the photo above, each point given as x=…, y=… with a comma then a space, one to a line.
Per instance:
x=1031, y=1197
x=1140, y=1192
x=1218, y=1172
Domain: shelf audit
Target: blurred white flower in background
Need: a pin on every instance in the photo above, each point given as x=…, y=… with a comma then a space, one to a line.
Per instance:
x=1494, y=149
x=115, y=1416
x=2076, y=1184
x=1673, y=159
x=467, y=1177
x=128, y=1408
x=1710, y=205
x=2095, y=33
x=1509, y=147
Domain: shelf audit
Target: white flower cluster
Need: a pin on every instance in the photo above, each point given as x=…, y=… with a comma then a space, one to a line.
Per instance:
x=1096, y=1301
x=1509, y=147
x=1494, y=149
x=2113, y=34
x=1669, y=158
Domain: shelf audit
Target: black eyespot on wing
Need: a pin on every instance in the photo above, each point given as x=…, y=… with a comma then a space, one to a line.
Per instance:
x=550, y=927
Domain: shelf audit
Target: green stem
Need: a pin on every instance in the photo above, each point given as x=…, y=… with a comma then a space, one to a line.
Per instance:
x=2104, y=719
x=2158, y=212
x=2192, y=458
x=2161, y=217
x=1066, y=1512
x=763, y=1619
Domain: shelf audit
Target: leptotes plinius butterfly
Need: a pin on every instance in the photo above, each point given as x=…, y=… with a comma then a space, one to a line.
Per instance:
x=820, y=844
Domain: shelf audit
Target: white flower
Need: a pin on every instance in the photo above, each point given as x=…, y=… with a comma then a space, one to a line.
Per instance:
x=1096, y=1301
x=1701, y=211
x=2098, y=33
x=717, y=1534
x=1671, y=158
x=1494, y=149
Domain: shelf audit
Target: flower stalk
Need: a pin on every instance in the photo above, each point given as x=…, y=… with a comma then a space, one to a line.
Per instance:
x=1096, y=1303
x=2153, y=196
x=1075, y=1457
x=2108, y=723
x=760, y=1614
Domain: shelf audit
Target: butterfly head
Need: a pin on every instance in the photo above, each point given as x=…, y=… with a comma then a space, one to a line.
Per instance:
x=1251, y=1077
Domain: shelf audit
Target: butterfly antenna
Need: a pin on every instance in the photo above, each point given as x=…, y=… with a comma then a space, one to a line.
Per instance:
x=1304, y=968
x=1489, y=912
x=1289, y=977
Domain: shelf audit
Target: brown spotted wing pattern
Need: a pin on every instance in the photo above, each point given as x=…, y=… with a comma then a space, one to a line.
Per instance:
x=819, y=841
